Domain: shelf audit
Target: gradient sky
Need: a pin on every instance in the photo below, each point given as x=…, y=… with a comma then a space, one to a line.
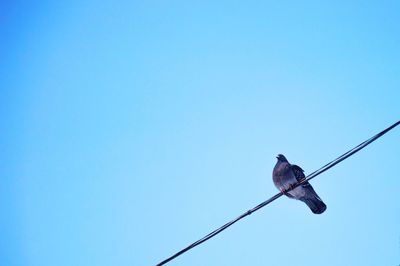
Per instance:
x=130, y=129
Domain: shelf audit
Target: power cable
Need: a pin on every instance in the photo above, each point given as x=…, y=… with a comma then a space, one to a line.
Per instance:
x=268, y=201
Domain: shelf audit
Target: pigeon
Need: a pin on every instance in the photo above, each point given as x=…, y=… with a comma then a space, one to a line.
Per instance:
x=286, y=175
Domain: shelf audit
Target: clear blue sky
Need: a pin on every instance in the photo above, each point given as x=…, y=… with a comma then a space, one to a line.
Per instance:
x=130, y=129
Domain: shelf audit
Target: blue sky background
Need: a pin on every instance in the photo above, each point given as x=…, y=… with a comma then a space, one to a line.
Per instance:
x=130, y=129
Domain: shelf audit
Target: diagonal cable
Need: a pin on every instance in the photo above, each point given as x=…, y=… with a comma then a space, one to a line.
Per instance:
x=268, y=201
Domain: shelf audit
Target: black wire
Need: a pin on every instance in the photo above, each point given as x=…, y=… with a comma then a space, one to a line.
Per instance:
x=268, y=201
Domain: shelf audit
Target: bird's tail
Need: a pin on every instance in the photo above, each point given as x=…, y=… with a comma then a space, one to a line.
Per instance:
x=316, y=205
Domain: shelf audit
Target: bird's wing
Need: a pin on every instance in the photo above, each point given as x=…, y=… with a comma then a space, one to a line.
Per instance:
x=310, y=196
x=298, y=172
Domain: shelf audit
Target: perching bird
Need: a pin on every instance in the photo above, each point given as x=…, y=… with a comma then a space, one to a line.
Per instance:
x=285, y=175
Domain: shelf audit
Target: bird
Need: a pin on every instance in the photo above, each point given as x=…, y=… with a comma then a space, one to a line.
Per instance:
x=286, y=175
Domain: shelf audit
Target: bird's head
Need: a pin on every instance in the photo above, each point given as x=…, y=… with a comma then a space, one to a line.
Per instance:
x=281, y=158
